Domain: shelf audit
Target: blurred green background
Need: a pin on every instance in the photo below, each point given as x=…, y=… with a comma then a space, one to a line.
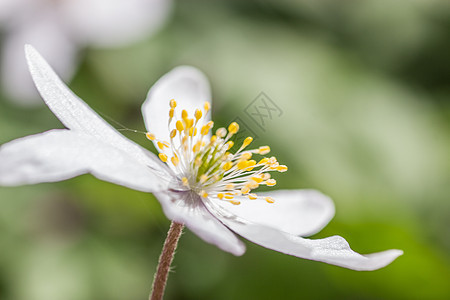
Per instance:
x=364, y=90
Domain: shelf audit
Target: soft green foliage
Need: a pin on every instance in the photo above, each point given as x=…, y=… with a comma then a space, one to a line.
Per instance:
x=364, y=91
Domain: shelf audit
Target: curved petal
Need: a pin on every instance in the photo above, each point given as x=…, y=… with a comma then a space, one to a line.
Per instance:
x=298, y=212
x=43, y=30
x=186, y=208
x=106, y=23
x=188, y=86
x=332, y=250
x=62, y=154
x=78, y=116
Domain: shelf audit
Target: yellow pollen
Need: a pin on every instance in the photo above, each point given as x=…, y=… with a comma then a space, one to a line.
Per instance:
x=179, y=126
x=203, y=178
x=198, y=161
x=173, y=133
x=184, y=114
x=242, y=165
x=252, y=184
x=161, y=145
x=229, y=186
x=271, y=182
x=213, y=138
x=204, y=130
x=263, y=150
x=245, y=190
x=269, y=200
x=226, y=166
x=220, y=196
x=235, y=202
x=185, y=181
x=229, y=197
x=266, y=176
x=229, y=145
x=282, y=168
x=162, y=157
x=247, y=141
x=250, y=165
x=203, y=194
x=246, y=156
x=233, y=128
x=173, y=103
x=252, y=196
x=207, y=106
x=171, y=113
x=197, y=146
x=150, y=136
x=264, y=161
x=198, y=114
x=257, y=179
x=175, y=160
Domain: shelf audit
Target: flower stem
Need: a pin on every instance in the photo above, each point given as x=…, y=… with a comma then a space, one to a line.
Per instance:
x=165, y=260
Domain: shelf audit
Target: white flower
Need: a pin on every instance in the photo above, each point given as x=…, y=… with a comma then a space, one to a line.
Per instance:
x=211, y=199
x=60, y=28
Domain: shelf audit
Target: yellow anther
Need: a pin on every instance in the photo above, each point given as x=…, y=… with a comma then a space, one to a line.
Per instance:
x=220, y=196
x=173, y=103
x=171, y=113
x=250, y=165
x=198, y=161
x=150, y=136
x=235, y=202
x=252, y=196
x=207, y=106
x=173, y=133
x=263, y=161
x=175, y=160
x=203, y=194
x=213, y=139
x=233, y=128
x=241, y=165
x=189, y=122
x=192, y=131
x=269, y=199
x=258, y=179
x=197, y=146
x=162, y=157
x=263, y=150
x=245, y=190
x=252, y=184
x=185, y=181
x=198, y=114
x=179, y=126
x=229, y=197
x=184, y=114
x=229, y=145
x=161, y=145
x=203, y=178
x=247, y=142
x=205, y=129
x=229, y=186
x=266, y=176
x=246, y=156
x=221, y=132
x=271, y=182
x=226, y=166
x=282, y=168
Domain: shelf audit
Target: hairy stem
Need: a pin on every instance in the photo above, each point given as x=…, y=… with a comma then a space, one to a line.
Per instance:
x=165, y=260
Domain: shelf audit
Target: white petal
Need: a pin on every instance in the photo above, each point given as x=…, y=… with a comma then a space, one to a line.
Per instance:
x=108, y=23
x=186, y=208
x=61, y=154
x=78, y=116
x=46, y=33
x=188, y=86
x=333, y=250
x=299, y=212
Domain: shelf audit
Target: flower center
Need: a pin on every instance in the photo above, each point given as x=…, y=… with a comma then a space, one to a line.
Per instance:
x=212, y=166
